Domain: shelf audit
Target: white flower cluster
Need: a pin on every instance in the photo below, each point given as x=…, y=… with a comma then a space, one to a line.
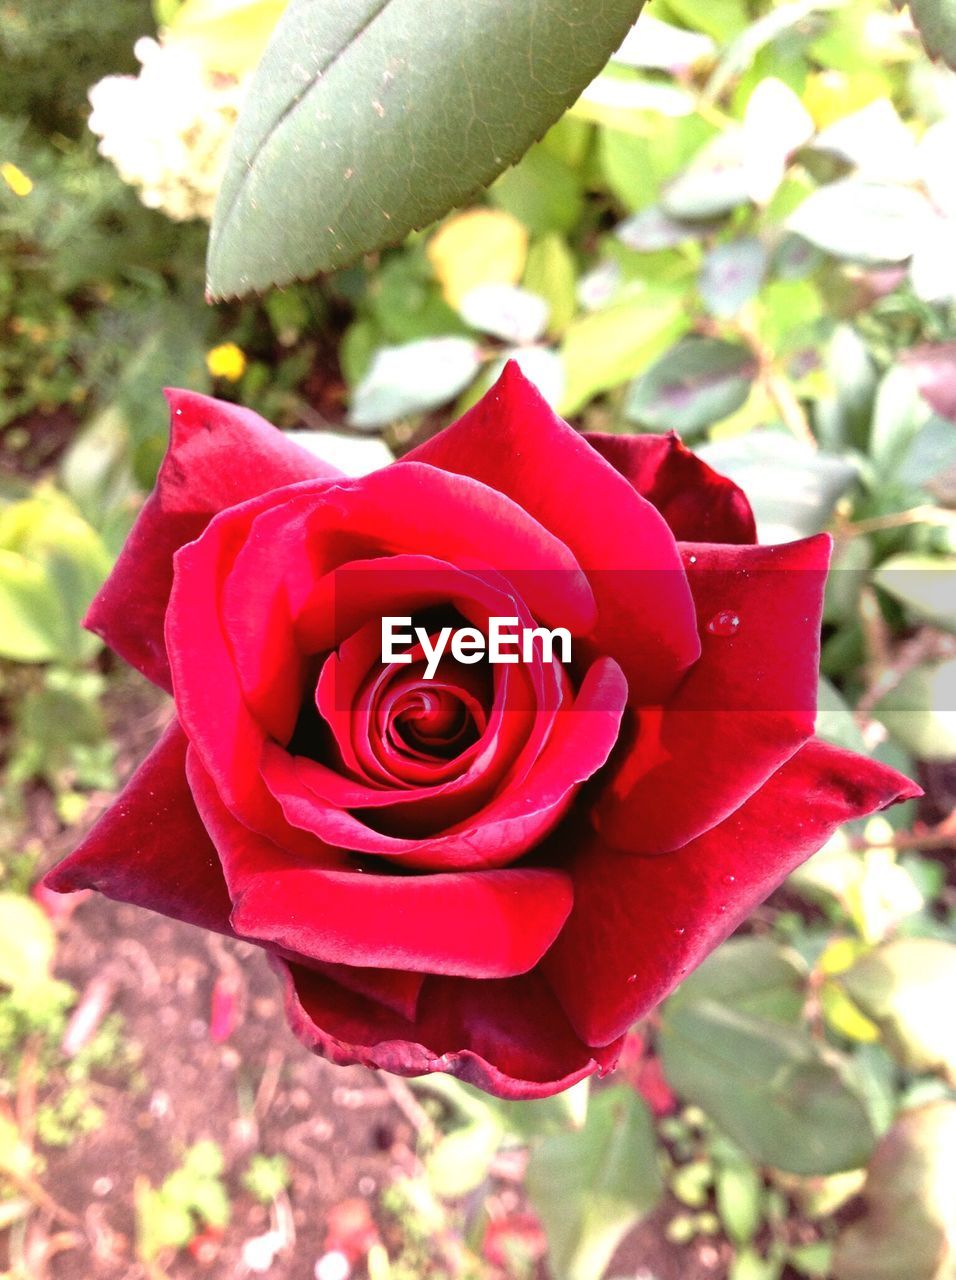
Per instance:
x=167, y=129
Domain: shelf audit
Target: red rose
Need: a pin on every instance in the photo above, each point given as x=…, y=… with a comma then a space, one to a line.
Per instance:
x=495, y=872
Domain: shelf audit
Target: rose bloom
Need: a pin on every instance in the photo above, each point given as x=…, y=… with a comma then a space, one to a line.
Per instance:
x=495, y=872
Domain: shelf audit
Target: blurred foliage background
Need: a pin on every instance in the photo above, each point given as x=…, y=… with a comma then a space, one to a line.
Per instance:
x=745, y=230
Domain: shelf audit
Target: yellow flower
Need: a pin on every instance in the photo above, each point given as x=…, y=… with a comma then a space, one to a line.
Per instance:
x=226, y=361
x=16, y=179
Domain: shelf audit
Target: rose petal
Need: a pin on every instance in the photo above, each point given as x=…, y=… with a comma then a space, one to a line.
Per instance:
x=640, y=924
x=512, y=441
x=698, y=503
x=747, y=705
x=485, y=924
x=508, y=1037
x=515, y=820
x=219, y=454
x=208, y=698
x=398, y=990
x=151, y=848
x=401, y=509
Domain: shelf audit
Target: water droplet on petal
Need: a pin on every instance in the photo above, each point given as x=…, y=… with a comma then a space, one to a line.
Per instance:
x=728, y=879
x=632, y=978
x=725, y=623
x=679, y=931
x=691, y=559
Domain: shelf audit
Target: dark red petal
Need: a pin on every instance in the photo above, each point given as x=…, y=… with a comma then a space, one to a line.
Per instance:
x=745, y=707
x=512, y=441
x=698, y=503
x=508, y=1037
x=208, y=698
x=129, y=610
x=640, y=924
x=219, y=454
x=581, y=741
x=151, y=848
x=396, y=989
x=487, y=924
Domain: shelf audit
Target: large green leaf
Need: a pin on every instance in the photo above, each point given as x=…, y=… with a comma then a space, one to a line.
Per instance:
x=368, y=118
x=590, y=1186
x=781, y=1095
x=754, y=975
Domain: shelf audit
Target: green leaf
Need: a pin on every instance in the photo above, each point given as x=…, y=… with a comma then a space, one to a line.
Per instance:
x=731, y=275
x=813, y=1260
x=863, y=221
x=850, y=567
x=835, y=720
x=898, y=413
x=652, y=229
x=934, y=367
x=908, y=1229
x=936, y=22
x=27, y=943
x=751, y=37
x=16, y=1158
x=505, y=311
x=591, y=1186
x=754, y=975
x=550, y=273
x=607, y=348
x=700, y=381
x=907, y=988
x=722, y=19
x=739, y=1190
x=353, y=454
x=204, y=1159
x=30, y=622
x=716, y=182
x=873, y=140
x=781, y=1095
x=844, y=417
x=461, y=1161
x=925, y=584
x=920, y=712
x=792, y=488
x=367, y=120
x=931, y=453
x=749, y=1265
x=542, y=192
x=413, y=377
x=228, y=35
x=635, y=164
